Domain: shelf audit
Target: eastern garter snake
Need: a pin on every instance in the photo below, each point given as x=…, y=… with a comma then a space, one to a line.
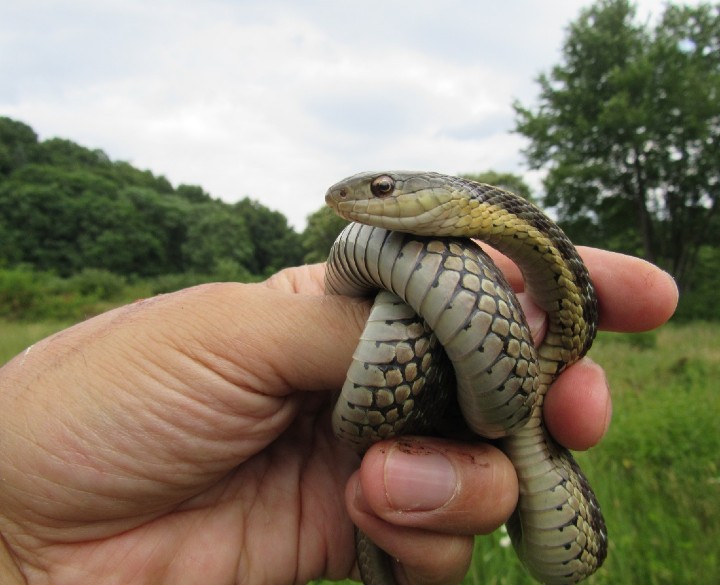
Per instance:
x=412, y=239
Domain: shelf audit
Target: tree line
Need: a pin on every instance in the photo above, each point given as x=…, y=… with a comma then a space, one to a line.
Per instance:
x=64, y=208
x=626, y=128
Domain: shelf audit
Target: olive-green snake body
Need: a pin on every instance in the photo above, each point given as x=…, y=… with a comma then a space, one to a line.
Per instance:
x=448, y=325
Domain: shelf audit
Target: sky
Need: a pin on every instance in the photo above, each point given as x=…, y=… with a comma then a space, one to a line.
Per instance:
x=276, y=100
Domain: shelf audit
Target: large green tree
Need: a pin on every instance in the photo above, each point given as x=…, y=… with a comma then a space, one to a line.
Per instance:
x=275, y=243
x=627, y=127
x=18, y=145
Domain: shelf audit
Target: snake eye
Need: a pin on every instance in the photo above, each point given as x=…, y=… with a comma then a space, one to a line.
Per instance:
x=382, y=186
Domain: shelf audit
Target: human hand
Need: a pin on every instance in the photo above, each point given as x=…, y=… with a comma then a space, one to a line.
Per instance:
x=186, y=439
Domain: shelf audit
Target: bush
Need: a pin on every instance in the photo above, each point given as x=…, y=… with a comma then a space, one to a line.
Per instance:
x=19, y=291
x=700, y=300
x=224, y=271
x=28, y=295
x=97, y=283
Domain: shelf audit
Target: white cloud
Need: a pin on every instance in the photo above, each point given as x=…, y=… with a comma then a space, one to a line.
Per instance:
x=275, y=99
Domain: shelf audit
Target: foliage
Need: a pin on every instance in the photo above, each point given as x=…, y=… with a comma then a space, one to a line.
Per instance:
x=275, y=244
x=323, y=227
x=214, y=235
x=18, y=144
x=64, y=208
x=700, y=298
x=15, y=337
x=628, y=128
x=29, y=294
x=97, y=283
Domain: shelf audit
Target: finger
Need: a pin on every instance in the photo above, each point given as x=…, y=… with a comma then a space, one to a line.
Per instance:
x=633, y=294
x=306, y=279
x=262, y=338
x=422, y=499
x=437, y=485
x=536, y=318
x=578, y=408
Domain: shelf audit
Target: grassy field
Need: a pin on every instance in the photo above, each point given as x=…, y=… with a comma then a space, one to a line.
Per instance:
x=657, y=474
x=15, y=337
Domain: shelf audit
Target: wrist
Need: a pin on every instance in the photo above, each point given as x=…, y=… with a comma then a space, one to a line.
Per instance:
x=9, y=571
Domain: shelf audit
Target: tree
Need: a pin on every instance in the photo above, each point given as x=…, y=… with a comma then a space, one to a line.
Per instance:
x=45, y=209
x=60, y=152
x=215, y=234
x=193, y=193
x=18, y=145
x=323, y=226
x=628, y=129
x=275, y=244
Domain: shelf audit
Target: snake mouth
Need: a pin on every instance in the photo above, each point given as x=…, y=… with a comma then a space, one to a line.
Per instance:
x=390, y=215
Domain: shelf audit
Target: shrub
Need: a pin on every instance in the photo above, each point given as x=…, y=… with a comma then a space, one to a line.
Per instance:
x=19, y=291
x=97, y=283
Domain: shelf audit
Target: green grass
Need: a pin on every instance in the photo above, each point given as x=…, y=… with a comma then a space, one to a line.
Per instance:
x=16, y=336
x=657, y=473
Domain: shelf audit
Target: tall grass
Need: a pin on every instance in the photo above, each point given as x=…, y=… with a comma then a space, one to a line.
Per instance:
x=15, y=336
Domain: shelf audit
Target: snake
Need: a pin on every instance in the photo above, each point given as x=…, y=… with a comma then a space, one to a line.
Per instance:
x=447, y=350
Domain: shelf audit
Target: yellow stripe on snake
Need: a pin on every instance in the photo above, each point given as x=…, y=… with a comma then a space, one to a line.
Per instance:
x=448, y=331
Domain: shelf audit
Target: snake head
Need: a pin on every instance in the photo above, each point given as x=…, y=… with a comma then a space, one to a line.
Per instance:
x=415, y=202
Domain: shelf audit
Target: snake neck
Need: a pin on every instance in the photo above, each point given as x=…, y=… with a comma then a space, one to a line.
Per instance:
x=554, y=274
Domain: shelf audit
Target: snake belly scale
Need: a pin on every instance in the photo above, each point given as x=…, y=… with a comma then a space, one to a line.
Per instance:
x=447, y=346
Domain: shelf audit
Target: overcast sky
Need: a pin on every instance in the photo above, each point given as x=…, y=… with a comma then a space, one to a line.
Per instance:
x=276, y=99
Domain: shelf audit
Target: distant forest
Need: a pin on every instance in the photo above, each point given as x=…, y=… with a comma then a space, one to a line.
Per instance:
x=65, y=208
x=77, y=229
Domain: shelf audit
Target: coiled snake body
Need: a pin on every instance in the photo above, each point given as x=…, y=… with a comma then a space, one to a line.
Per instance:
x=444, y=301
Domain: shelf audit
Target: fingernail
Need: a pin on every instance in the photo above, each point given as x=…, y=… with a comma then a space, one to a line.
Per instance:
x=417, y=478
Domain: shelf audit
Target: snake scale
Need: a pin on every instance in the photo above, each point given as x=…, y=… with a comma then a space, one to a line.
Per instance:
x=447, y=341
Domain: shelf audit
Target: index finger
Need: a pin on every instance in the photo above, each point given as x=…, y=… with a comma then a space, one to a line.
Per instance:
x=633, y=294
